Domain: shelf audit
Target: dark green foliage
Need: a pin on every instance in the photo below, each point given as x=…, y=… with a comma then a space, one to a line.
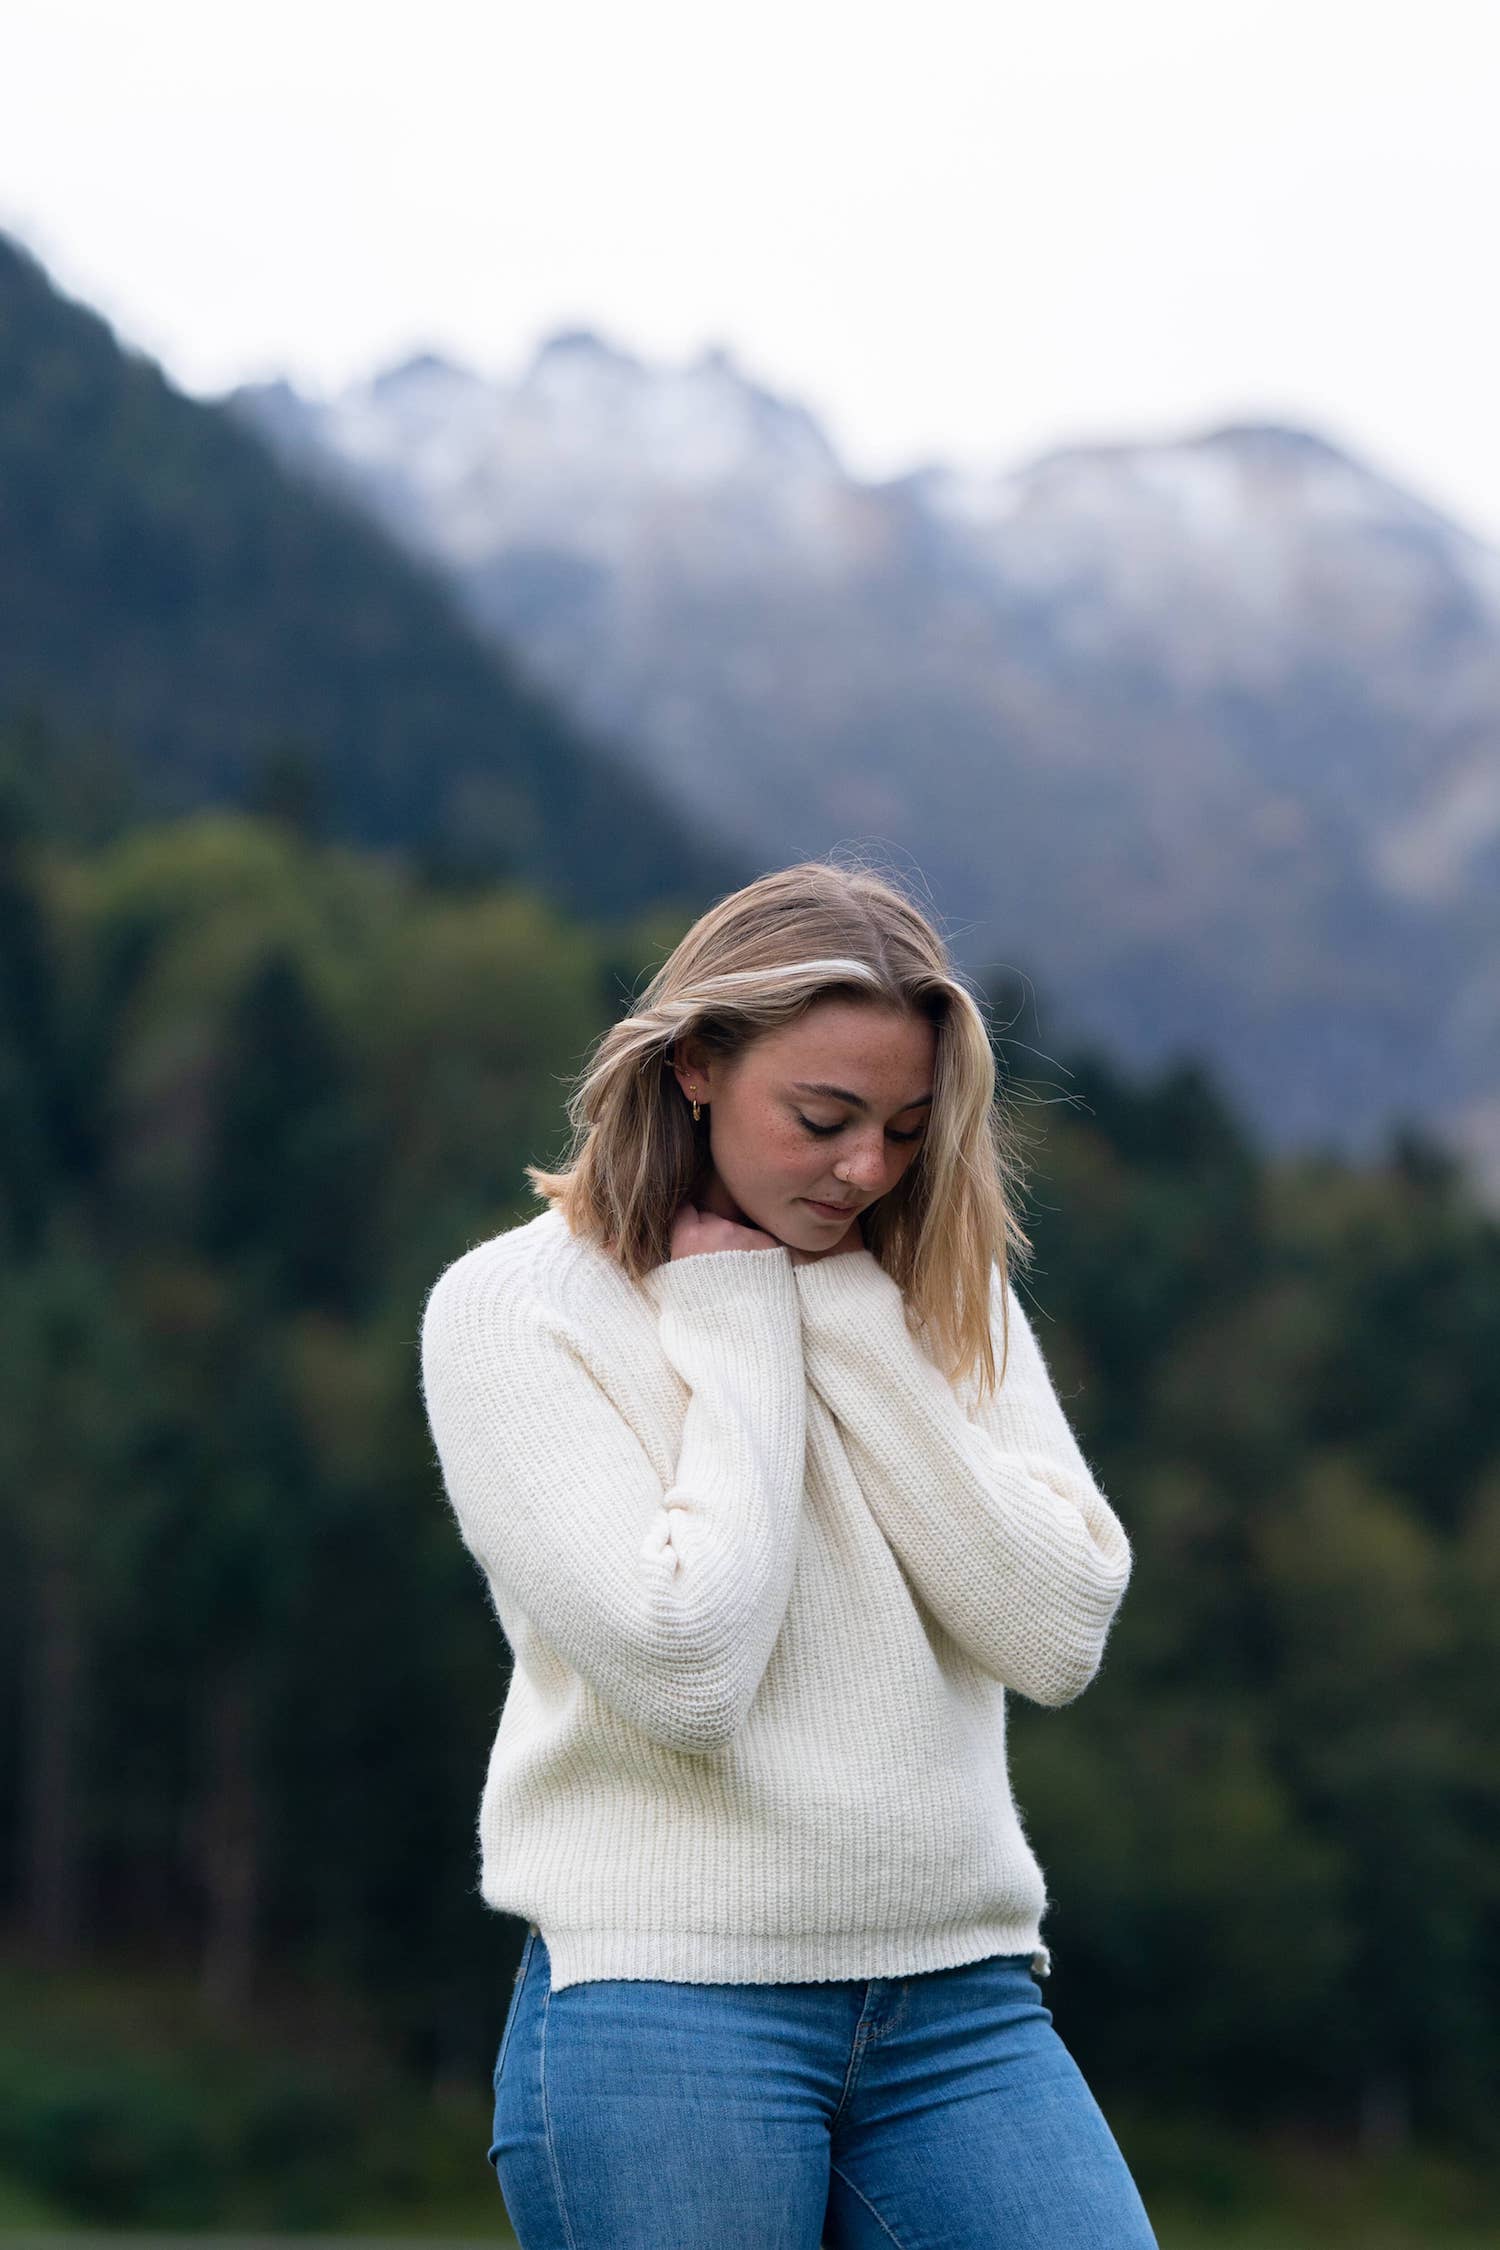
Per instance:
x=208, y=2138
x=259, y=1091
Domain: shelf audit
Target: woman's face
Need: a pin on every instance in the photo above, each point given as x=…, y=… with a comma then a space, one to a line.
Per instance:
x=782, y=1141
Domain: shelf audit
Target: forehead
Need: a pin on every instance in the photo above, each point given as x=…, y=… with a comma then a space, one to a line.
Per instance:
x=853, y=1034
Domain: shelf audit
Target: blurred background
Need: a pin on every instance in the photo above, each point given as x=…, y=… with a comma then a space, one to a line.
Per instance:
x=475, y=485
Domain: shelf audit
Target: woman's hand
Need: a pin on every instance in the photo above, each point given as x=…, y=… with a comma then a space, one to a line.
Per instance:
x=695, y=1233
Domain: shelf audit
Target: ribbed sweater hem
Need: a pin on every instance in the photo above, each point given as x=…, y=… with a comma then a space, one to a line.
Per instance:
x=577, y=1956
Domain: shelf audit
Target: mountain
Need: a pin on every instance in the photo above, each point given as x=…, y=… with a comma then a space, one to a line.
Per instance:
x=1204, y=733
x=166, y=583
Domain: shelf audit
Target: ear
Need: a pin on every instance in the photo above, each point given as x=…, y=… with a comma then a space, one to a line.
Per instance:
x=686, y=1068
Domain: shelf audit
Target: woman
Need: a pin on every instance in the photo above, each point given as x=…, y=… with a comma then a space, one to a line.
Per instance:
x=775, y=1500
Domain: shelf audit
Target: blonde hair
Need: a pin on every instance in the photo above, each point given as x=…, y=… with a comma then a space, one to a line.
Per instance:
x=752, y=964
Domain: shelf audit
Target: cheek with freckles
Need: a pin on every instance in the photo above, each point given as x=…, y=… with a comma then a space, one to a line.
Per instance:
x=780, y=1157
x=761, y=1146
x=801, y=1159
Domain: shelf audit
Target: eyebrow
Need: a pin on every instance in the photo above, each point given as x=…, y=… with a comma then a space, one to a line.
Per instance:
x=855, y=1101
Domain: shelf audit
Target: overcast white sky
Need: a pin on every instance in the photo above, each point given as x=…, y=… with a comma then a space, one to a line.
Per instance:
x=957, y=229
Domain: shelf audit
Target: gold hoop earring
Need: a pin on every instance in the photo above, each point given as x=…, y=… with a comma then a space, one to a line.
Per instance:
x=697, y=1113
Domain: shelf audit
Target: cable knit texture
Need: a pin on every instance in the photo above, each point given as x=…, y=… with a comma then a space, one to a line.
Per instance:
x=766, y=1576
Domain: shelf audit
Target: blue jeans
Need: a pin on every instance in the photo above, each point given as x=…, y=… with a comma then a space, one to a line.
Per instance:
x=931, y=2112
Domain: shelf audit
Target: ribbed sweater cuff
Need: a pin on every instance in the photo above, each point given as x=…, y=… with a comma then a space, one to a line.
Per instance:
x=716, y=1277
x=834, y=1288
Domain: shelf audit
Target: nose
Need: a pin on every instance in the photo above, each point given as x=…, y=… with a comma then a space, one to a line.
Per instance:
x=864, y=1166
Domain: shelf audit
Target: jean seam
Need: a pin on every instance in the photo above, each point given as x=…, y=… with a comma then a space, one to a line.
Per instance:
x=869, y=2206
x=515, y=2007
x=856, y=2051
x=557, y=2188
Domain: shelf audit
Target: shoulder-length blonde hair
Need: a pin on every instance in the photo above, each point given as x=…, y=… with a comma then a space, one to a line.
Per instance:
x=755, y=962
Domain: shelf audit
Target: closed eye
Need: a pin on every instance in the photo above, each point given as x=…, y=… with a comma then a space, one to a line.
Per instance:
x=822, y=1131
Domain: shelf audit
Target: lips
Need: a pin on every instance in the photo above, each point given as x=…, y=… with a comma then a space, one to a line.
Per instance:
x=834, y=1210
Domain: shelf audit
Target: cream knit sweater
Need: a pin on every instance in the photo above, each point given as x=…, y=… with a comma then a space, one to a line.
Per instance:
x=766, y=1577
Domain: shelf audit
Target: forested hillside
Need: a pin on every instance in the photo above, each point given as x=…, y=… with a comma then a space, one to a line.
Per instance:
x=254, y=1093
x=167, y=588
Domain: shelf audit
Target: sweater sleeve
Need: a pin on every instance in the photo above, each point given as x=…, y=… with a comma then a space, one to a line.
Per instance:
x=665, y=1599
x=990, y=1507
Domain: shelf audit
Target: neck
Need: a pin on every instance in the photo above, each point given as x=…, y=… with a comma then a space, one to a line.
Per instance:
x=712, y=1195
